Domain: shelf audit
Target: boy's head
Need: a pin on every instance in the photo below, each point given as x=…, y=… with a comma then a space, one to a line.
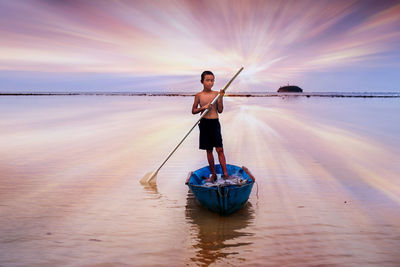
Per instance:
x=207, y=79
x=203, y=75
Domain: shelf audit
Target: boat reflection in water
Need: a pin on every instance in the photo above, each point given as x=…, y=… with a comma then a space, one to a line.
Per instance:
x=217, y=237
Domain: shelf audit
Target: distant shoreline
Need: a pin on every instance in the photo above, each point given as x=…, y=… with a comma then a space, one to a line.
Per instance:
x=268, y=94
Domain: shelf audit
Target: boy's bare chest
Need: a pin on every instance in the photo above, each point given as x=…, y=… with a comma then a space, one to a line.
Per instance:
x=206, y=98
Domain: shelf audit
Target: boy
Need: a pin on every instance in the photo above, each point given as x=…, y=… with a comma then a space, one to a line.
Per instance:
x=210, y=128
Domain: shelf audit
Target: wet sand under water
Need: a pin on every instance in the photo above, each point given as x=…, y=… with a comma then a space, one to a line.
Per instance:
x=327, y=193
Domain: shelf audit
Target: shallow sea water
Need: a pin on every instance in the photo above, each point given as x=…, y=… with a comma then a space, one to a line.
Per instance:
x=327, y=193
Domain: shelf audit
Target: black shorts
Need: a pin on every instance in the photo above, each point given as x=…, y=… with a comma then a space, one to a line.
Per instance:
x=210, y=134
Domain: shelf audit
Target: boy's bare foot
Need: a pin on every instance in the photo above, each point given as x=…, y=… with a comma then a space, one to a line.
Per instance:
x=211, y=179
x=225, y=176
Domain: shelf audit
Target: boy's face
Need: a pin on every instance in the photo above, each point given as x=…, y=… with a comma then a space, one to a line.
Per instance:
x=208, y=81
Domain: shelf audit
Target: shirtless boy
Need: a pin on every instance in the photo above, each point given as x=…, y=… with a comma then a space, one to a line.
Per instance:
x=210, y=128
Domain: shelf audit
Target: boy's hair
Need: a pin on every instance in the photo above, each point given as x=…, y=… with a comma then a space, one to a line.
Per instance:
x=206, y=72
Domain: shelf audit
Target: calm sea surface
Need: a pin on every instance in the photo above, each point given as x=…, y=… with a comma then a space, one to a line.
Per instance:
x=327, y=193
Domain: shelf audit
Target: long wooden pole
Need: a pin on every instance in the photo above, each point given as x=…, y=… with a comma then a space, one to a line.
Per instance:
x=150, y=177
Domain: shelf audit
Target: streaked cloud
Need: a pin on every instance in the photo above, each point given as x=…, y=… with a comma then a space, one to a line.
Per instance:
x=276, y=41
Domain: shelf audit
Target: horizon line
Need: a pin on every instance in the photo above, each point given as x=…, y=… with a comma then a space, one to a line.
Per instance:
x=191, y=94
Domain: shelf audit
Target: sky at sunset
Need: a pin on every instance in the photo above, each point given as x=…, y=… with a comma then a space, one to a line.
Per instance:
x=164, y=45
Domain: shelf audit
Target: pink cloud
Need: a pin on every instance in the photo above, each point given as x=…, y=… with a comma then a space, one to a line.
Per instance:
x=274, y=40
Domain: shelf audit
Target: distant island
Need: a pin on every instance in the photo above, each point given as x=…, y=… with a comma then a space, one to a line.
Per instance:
x=290, y=89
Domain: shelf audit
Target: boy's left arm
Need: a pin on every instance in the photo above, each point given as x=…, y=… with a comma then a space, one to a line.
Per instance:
x=220, y=102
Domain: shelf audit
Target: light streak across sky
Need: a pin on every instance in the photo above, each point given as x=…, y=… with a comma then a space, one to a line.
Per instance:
x=165, y=45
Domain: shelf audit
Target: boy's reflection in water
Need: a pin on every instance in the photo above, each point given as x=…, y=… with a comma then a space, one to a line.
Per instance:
x=216, y=233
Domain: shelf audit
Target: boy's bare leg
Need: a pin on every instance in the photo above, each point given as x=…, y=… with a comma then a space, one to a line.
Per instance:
x=210, y=158
x=222, y=161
